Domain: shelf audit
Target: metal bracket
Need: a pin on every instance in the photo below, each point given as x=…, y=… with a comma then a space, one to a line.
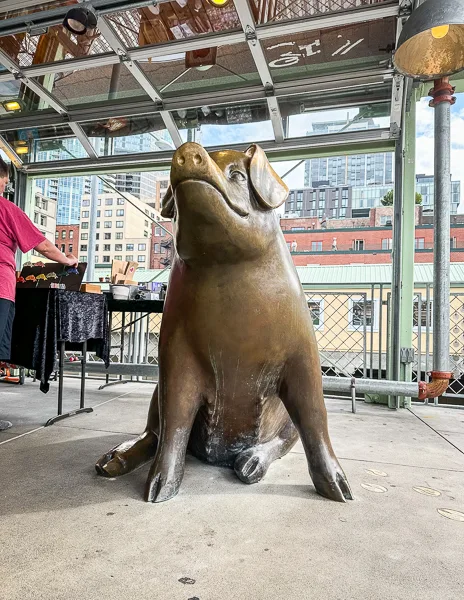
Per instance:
x=407, y=356
x=250, y=35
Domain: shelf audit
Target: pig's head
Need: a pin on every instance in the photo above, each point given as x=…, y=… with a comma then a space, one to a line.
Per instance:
x=222, y=204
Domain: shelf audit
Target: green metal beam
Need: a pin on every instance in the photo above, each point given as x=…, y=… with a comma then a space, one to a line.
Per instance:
x=407, y=238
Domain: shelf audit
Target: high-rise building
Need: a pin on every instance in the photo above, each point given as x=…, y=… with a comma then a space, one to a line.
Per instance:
x=370, y=175
x=425, y=185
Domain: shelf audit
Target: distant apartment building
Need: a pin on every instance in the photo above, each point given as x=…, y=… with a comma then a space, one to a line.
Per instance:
x=123, y=229
x=67, y=239
x=44, y=216
x=425, y=185
x=321, y=201
x=162, y=247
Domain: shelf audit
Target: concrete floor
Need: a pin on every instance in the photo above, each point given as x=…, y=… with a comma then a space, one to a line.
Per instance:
x=68, y=534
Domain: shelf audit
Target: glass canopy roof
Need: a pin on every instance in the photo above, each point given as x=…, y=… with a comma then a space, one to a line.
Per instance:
x=250, y=70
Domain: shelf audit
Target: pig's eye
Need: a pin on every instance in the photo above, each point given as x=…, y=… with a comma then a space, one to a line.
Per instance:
x=237, y=176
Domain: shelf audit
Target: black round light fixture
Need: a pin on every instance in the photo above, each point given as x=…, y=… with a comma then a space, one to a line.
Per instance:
x=80, y=19
x=431, y=44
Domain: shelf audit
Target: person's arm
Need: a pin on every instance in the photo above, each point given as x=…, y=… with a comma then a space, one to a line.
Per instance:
x=48, y=250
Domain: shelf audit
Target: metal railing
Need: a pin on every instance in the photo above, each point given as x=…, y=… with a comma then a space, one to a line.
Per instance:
x=351, y=329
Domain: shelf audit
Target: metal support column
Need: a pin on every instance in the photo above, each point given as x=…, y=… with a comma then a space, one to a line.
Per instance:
x=396, y=278
x=442, y=94
x=408, y=228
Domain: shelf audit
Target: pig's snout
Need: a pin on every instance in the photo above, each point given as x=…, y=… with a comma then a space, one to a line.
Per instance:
x=191, y=161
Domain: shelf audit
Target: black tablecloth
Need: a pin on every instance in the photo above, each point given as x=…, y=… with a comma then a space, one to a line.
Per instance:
x=46, y=316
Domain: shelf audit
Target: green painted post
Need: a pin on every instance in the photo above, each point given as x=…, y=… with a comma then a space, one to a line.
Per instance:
x=408, y=239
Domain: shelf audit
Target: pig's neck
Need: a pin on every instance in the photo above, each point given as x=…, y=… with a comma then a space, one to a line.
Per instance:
x=274, y=266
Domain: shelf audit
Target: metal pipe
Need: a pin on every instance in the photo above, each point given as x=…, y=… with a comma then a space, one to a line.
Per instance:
x=371, y=386
x=442, y=232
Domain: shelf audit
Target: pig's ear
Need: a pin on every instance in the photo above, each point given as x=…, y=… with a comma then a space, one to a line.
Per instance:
x=269, y=188
x=167, y=204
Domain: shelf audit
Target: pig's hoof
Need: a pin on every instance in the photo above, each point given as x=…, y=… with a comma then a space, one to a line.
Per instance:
x=127, y=456
x=159, y=488
x=331, y=483
x=251, y=466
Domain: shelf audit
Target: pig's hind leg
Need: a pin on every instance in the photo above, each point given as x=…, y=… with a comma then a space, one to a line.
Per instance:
x=252, y=464
x=129, y=455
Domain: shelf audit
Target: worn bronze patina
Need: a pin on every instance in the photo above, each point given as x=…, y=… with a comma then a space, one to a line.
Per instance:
x=239, y=370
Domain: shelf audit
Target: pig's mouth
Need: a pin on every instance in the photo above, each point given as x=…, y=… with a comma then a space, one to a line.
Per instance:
x=236, y=209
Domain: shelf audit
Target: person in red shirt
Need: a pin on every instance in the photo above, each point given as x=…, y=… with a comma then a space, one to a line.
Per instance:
x=17, y=231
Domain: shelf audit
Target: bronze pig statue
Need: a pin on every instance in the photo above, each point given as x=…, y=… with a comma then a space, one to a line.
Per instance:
x=239, y=370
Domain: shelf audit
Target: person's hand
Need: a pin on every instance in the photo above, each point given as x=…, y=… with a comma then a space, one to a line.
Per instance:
x=72, y=260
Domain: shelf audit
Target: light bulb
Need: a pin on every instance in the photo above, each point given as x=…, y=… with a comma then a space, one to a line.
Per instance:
x=440, y=32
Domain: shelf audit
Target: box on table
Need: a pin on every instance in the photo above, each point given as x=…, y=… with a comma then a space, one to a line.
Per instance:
x=123, y=271
x=91, y=288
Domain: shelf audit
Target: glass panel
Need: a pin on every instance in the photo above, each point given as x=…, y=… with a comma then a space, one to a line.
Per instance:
x=95, y=85
x=57, y=44
x=126, y=135
x=283, y=10
x=39, y=6
x=173, y=21
x=328, y=50
x=45, y=144
x=202, y=71
x=301, y=121
x=222, y=125
x=16, y=98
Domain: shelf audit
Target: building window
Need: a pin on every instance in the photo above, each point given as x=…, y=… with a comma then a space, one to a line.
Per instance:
x=119, y=235
x=129, y=246
x=107, y=236
x=107, y=224
x=106, y=259
x=157, y=249
x=142, y=247
x=97, y=247
x=387, y=244
x=453, y=243
x=70, y=248
x=98, y=225
x=118, y=257
x=129, y=257
x=147, y=224
x=120, y=212
x=109, y=201
x=362, y=313
x=97, y=236
x=84, y=236
x=106, y=247
x=85, y=202
x=343, y=212
x=118, y=247
x=108, y=213
x=63, y=233
x=419, y=243
x=83, y=247
x=96, y=259
x=85, y=214
x=317, y=312
x=358, y=245
x=420, y=319
x=120, y=201
x=316, y=246
x=82, y=258
x=57, y=235
x=145, y=234
x=157, y=231
x=63, y=248
x=119, y=224
x=140, y=258
x=43, y=221
x=71, y=234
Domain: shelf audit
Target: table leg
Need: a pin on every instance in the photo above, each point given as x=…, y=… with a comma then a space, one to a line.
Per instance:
x=83, y=364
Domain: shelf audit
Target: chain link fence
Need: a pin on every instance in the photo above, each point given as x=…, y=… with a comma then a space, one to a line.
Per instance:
x=281, y=10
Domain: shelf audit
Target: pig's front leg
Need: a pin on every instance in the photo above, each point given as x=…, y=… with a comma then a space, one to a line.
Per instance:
x=303, y=397
x=179, y=400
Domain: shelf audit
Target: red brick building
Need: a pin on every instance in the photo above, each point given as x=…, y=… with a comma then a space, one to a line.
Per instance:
x=362, y=241
x=365, y=240
x=67, y=238
x=161, y=245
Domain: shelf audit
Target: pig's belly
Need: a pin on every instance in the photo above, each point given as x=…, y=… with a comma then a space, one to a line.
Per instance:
x=227, y=425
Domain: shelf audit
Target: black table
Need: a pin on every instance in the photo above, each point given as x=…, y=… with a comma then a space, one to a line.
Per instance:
x=50, y=320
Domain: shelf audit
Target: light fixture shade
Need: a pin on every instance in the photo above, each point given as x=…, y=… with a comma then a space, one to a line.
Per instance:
x=80, y=19
x=431, y=44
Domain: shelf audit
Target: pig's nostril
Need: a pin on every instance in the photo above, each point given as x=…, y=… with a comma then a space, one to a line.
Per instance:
x=181, y=160
x=197, y=159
